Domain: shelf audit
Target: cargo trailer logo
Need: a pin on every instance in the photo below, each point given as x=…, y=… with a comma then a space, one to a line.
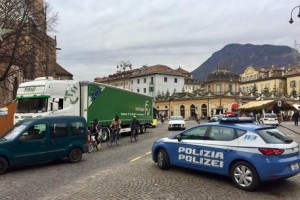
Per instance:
x=71, y=92
x=95, y=93
x=147, y=109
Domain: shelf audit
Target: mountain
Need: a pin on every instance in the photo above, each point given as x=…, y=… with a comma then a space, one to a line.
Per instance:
x=237, y=57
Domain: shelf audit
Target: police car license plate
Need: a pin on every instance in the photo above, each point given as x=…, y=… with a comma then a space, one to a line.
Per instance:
x=295, y=166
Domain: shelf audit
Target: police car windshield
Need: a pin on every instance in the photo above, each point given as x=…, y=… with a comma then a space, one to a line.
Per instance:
x=274, y=136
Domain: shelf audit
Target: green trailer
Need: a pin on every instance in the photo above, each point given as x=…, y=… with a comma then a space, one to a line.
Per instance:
x=103, y=102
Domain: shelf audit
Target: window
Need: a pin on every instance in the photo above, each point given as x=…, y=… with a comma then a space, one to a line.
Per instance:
x=274, y=136
x=151, y=89
x=59, y=129
x=175, y=80
x=145, y=90
x=221, y=133
x=197, y=133
x=138, y=81
x=240, y=132
x=152, y=80
x=34, y=132
x=77, y=128
x=138, y=90
x=165, y=79
x=230, y=88
x=145, y=80
x=61, y=104
x=218, y=88
x=293, y=84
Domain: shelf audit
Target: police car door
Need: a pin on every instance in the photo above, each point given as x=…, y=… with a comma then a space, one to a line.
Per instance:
x=186, y=151
x=218, y=149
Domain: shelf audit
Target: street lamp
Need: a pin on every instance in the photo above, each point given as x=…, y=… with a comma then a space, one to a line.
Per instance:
x=291, y=20
x=122, y=65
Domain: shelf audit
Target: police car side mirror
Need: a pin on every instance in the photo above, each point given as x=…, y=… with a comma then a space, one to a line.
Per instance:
x=178, y=137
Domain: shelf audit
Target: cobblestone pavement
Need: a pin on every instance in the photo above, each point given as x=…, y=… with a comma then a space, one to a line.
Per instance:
x=142, y=179
x=130, y=176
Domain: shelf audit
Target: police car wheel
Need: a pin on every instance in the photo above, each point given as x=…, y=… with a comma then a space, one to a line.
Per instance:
x=244, y=175
x=3, y=165
x=163, y=160
x=75, y=155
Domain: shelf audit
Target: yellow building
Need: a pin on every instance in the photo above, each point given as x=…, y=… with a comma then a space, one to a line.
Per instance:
x=293, y=81
x=263, y=81
x=220, y=94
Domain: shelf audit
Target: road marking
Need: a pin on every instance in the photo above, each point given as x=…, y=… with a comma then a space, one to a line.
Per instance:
x=139, y=157
x=135, y=159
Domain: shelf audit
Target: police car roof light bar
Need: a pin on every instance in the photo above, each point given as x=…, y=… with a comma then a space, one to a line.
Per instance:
x=236, y=120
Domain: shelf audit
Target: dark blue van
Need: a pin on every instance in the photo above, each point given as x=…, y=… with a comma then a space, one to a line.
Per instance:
x=42, y=139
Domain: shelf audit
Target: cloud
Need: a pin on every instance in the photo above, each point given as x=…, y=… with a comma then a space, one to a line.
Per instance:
x=97, y=34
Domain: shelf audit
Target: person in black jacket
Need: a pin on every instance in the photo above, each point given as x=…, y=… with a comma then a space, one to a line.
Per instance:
x=95, y=130
x=296, y=118
x=135, y=125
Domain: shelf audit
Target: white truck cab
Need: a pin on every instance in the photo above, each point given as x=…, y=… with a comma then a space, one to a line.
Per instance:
x=47, y=96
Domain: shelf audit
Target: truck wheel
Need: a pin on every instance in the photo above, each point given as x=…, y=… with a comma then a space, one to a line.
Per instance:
x=104, y=134
x=244, y=176
x=143, y=128
x=163, y=160
x=75, y=155
x=3, y=165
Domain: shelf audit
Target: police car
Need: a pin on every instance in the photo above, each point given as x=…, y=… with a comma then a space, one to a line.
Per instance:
x=248, y=153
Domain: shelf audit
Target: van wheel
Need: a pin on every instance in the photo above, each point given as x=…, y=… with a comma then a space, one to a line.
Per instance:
x=75, y=155
x=3, y=165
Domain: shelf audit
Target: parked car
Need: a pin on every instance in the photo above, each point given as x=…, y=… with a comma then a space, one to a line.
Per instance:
x=269, y=119
x=176, y=122
x=235, y=147
x=41, y=139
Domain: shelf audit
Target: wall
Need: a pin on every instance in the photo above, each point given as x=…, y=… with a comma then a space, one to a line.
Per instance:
x=6, y=122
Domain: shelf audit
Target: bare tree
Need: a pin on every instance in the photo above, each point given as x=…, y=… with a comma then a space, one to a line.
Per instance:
x=26, y=50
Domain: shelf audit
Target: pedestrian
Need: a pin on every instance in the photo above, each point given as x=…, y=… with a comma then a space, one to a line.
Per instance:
x=258, y=117
x=296, y=118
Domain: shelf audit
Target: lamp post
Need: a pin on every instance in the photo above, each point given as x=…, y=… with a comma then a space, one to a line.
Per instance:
x=291, y=20
x=122, y=65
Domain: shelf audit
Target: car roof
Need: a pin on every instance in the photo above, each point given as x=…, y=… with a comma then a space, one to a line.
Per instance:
x=50, y=118
x=244, y=126
x=244, y=123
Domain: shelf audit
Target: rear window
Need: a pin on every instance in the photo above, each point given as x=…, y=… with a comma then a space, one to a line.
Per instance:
x=270, y=116
x=77, y=128
x=274, y=136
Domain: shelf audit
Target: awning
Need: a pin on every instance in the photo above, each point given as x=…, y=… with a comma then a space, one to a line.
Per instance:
x=256, y=104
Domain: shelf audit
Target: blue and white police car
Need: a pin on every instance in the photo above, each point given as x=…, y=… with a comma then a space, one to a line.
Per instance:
x=248, y=153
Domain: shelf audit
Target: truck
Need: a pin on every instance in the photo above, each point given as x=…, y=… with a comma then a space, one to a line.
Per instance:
x=47, y=96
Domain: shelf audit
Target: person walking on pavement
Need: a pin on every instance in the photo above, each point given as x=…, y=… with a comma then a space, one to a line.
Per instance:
x=296, y=118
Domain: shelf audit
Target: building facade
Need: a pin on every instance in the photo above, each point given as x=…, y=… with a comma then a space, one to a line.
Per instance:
x=150, y=80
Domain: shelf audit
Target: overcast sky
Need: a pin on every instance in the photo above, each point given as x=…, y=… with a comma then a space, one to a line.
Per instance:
x=95, y=35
